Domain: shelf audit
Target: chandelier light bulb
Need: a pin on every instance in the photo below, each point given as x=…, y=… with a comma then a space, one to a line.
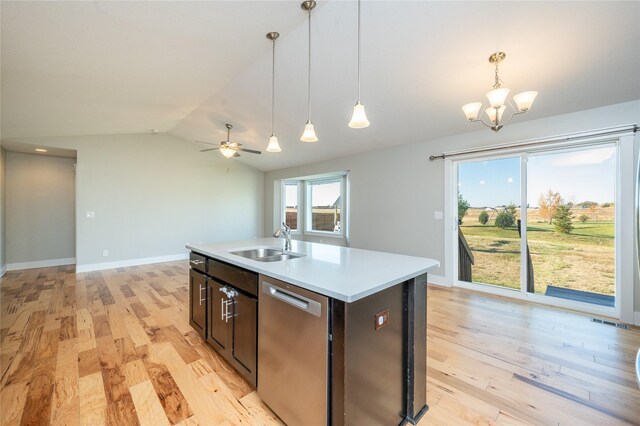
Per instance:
x=524, y=100
x=491, y=113
x=309, y=134
x=273, y=146
x=472, y=110
x=497, y=97
x=359, y=117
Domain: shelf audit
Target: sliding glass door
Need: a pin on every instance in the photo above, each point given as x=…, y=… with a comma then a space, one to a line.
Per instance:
x=488, y=211
x=571, y=223
x=566, y=198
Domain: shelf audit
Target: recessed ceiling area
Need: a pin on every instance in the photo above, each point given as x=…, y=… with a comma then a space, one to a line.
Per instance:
x=39, y=149
x=187, y=68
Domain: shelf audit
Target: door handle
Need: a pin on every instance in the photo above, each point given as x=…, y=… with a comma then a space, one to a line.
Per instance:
x=293, y=299
x=201, y=290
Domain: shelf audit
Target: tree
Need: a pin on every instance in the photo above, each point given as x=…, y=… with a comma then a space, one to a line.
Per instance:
x=483, y=218
x=563, y=222
x=549, y=203
x=463, y=206
x=593, y=210
x=583, y=218
x=506, y=217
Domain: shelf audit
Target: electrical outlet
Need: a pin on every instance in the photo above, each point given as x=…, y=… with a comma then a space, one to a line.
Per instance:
x=381, y=319
x=438, y=215
x=105, y=253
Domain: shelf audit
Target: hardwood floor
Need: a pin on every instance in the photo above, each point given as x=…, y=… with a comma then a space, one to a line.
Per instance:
x=115, y=347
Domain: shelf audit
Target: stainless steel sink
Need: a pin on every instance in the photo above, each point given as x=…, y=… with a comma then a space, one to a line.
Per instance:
x=266, y=254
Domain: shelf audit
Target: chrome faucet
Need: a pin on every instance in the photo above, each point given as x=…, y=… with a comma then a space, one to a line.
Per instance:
x=286, y=231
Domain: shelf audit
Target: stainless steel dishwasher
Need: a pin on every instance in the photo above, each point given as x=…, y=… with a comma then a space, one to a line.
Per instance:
x=293, y=347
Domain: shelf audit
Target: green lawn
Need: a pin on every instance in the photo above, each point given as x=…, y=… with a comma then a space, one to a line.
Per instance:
x=582, y=260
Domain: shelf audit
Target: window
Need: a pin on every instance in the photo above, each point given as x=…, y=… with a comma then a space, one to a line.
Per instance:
x=325, y=205
x=315, y=206
x=290, y=198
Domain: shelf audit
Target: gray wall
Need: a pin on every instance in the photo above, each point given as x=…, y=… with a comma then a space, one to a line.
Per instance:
x=3, y=191
x=395, y=191
x=151, y=194
x=40, y=209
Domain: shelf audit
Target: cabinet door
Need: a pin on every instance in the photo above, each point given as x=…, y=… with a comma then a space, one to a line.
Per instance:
x=244, y=333
x=198, y=302
x=220, y=316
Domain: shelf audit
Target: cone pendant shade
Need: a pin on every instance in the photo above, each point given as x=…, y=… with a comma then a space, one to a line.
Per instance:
x=273, y=146
x=359, y=117
x=309, y=134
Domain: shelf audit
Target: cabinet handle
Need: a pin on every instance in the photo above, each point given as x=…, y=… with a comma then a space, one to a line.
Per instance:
x=201, y=290
x=196, y=262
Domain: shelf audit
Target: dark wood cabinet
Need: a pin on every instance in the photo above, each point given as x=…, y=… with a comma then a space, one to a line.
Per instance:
x=232, y=326
x=223, y=309
x=244, y=332
x=198, y=302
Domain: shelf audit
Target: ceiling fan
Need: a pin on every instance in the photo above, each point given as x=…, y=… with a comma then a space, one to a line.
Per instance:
x=227, y=148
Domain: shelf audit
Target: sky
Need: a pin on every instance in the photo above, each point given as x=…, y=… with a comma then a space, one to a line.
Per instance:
x=584, y=175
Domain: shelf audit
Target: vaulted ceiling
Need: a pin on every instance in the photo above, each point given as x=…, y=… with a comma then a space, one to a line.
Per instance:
x=187, y=68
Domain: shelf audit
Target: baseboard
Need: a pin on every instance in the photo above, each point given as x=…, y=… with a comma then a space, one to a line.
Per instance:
x=130, y=262
x=40, y=264
x=636, y=318
x=3, y=270
x=438, y=280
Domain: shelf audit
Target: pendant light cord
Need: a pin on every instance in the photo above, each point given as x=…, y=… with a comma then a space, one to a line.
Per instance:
x=358, y=51
x=273, y=84
x=309, y=74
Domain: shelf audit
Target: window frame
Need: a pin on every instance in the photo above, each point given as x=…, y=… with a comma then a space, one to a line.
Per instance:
x=304, y=206
x=308, y=210
x=283, y=205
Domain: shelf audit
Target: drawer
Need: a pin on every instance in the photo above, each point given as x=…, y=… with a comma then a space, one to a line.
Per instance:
x=240, y=278
x=198, y=262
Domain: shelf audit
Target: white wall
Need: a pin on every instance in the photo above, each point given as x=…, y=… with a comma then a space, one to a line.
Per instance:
x=40, y=209
x=395, y=191
x=152, y=194
x=3, y=190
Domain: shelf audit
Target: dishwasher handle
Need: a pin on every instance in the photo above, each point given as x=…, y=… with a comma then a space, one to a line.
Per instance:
x=296, y=300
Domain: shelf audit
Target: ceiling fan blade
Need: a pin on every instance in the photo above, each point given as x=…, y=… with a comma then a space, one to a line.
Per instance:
x=251, y=151
x=236, y=155
x=206, y=143
x=209, y=149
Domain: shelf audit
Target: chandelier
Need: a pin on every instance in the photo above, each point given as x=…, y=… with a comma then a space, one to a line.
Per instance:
x=498, y=102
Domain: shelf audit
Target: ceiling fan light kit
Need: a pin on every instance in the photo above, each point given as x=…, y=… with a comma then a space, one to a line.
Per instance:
x=309, y=134
x=359, y=117
x=227, y=148
x=498, y=101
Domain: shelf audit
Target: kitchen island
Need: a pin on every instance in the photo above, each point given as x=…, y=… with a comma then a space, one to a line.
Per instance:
x=331, y=335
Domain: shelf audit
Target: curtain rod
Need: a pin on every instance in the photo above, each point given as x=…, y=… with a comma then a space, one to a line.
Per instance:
x=574, y=136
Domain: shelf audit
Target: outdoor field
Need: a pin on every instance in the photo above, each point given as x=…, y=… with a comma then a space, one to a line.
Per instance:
x=581, y=260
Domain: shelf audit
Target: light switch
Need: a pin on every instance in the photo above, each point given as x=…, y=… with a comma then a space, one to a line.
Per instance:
x=91, y=215
x=438, y=215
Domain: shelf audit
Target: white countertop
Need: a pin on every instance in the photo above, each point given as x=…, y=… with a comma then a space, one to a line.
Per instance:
x=346, y=274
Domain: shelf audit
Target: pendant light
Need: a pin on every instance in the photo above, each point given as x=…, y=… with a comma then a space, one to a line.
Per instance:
x=273, y=146
x=309, y=134
x=359, y=117
x=498, y=101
